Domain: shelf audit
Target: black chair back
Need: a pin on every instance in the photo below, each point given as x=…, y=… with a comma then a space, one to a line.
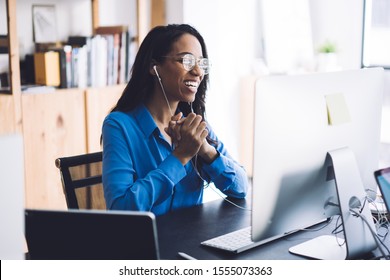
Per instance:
x=81, y=177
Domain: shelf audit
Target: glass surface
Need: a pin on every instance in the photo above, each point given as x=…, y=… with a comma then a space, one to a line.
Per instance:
x=376, y=34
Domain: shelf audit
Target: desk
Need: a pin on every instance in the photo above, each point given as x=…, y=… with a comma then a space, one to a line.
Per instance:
x=184, y=230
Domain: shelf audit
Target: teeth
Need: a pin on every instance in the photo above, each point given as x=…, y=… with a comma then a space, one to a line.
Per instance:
x=191, y=84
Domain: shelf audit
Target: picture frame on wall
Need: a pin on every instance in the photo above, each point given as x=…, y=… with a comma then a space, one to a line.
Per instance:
x=376, y=34
x=44, y=23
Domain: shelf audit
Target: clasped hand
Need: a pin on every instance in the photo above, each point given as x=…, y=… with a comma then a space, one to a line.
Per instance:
x=189, y=137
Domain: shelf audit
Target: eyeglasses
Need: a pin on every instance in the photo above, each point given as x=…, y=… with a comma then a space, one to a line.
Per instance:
x=189, y=61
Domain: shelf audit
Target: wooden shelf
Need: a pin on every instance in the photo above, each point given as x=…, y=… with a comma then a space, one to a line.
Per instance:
x=60, y=123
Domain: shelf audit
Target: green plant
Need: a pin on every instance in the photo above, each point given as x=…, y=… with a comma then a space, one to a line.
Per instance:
x=327, y=47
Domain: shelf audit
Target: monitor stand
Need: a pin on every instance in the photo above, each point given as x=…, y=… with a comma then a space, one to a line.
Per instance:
x=351, y=195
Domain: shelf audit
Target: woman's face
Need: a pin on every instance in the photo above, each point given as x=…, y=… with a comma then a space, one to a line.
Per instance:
x=179, y=83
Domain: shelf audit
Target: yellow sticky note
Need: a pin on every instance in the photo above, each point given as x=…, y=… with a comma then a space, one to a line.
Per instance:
x=337, y=108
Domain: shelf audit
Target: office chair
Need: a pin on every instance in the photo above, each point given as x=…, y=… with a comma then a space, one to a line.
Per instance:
x=81, y=177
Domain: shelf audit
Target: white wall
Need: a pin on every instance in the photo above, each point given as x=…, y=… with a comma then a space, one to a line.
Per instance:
x=341, y=22
x=123, y=12
x=228, y=28
x=286, y=36
x=233, y=32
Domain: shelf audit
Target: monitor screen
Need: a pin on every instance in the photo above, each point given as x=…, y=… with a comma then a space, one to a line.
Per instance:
x=299, y=119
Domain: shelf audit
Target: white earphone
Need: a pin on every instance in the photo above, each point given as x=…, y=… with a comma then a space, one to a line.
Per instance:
x=162, y=88
x=155, y=71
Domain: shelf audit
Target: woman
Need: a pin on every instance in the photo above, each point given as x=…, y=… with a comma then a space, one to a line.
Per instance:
x=157, y=147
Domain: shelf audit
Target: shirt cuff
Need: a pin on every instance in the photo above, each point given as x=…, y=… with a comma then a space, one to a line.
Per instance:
x=173, y=169
x=218, y=166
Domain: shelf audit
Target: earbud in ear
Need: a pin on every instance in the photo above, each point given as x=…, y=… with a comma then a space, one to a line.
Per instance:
x=155, y=71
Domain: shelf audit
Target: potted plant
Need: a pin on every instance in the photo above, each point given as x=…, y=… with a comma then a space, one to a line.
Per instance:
x=327, y=57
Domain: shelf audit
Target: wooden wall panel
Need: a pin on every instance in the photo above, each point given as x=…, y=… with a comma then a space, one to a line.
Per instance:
x=53, y=126
x=158, y=13
x=7, y=114
x=13, y=47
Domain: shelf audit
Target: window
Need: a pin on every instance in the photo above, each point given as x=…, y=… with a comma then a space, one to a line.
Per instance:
x=376, y=33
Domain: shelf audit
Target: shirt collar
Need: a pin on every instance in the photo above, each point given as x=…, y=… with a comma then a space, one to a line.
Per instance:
x=145, y=120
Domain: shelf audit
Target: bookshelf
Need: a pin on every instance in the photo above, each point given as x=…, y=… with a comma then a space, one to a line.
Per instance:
x=60, y=123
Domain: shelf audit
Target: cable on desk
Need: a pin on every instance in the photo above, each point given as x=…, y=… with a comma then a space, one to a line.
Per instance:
x=381, y=223
x=311, y=229
x=207, y=185
x=384, y=235
x=229, y=201
x=378, y=241
x=380, y=217
x=339, y=228
x=320, y=227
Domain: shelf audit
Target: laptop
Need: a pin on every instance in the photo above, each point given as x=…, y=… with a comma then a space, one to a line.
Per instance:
x=382, y=177
x=90, y=235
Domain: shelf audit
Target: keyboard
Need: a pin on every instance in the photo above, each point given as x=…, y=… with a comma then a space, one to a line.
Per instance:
x=236, y=241
x=241, y=240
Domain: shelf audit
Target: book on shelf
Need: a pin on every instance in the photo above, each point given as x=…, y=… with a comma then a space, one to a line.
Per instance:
x=4, y=80
x=27, y=71
x=99, y=61
x=65, y=56
x=120, y=51
x=80, y=67
x=81, y=60
x=75, y=67
x=111, y=56
x=3, y=44
x=47, y=68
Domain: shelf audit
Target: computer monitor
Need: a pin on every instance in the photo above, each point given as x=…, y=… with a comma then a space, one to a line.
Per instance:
x=308, y=129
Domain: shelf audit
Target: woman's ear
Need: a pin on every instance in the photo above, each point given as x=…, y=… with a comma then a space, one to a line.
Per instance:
x=155, y=72
x=153, y=68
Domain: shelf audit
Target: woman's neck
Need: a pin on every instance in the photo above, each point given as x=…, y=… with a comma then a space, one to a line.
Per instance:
x=162, y=115
x=160, y=110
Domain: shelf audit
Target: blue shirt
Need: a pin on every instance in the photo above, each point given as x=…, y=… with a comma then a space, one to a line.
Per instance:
x=141, y=173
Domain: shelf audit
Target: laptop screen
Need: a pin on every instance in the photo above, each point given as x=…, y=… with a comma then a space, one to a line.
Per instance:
x=382, y=178
x=91, y=234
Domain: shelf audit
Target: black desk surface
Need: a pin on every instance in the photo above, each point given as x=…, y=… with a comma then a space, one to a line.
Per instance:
x=184, y=230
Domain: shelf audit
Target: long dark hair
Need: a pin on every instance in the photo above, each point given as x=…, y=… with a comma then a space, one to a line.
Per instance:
x=157, y=44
